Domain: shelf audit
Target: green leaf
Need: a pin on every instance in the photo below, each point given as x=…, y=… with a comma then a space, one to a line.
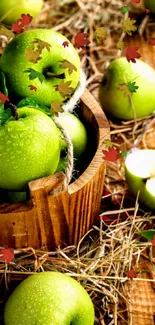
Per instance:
x=123, y=153
x=124, y=9
x=33, y=74
x=4, y=114
x=29, y=101
x=132, y=87
x=148, y=234
x=3, y=87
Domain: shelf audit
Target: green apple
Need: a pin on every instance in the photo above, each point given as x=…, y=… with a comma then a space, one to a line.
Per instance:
x=113, y=100
x=11, y=10
x=62, y=165
x=49, y=298
x=76, y=131
x=29, y=148
x=79, y=138
x=14, y=63
x=17, y=196
x=140, y=175
x=150, y=4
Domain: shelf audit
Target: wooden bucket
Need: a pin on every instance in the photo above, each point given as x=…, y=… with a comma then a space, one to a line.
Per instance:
x=52, y=217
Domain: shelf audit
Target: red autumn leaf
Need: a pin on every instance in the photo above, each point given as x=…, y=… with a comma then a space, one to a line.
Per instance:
x=132, y=54
x=132, y=274
x=3, y=98
x=18, y=27
x=33, y=87
x=146, y=10
x=65, y=44
x=26, y=19
x=104, y=217
x=111, y=155
x=153, y=241
x=106, y=192
x=136, y=1
x=80, y=40
x=109, y=219
x=151, y=41
x=116, y=202
x=6, y=254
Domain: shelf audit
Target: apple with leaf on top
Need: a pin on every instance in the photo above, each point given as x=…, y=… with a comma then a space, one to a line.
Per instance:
x=44, y=66
x=49, y=298
x=11, y=10
x=140, y=175
x=127, y=89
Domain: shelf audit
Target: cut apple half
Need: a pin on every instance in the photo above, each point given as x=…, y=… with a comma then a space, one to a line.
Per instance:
x=140, y=175
x=150, y=185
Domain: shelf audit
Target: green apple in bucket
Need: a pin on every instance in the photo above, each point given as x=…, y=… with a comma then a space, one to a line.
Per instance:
x=76, y=131
x=78, y=136
x=140, y=175
x=113, y=100
x=11, y=10
x=29, y=148
x=62, y=166
x=49, y=298
x=35, y=63
x=13, y=196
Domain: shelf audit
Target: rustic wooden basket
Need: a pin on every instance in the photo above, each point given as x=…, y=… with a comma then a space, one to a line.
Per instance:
x=52, y=216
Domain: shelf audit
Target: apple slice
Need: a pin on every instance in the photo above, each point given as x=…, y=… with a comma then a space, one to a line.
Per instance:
x=140, y=175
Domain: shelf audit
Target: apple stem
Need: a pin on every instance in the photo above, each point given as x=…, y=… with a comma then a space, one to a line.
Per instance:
x=13, y=110
x=149, y=177
x=54, y=75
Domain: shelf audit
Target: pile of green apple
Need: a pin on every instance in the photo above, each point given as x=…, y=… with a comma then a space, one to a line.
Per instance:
x=31, y=145
x=49, y=298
